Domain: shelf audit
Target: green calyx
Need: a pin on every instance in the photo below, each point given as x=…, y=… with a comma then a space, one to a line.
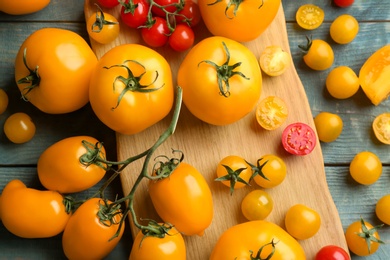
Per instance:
x=225, y=72
x=309, y=42
x=236, y=4
x=100, y=22
x=163, y=169
x=368, y=234
x=258, y=169
x=258, y=257
x=93, y=155
x=33, y=78
x=131, y=82
x=233, y=176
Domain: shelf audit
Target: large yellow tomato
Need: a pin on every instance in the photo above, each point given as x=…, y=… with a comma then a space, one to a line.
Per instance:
x=53, y=68
x=131, y=88
x=20, y=7
x=238, y=20
x=31, y=213
x=238, y=241
x=221, y=80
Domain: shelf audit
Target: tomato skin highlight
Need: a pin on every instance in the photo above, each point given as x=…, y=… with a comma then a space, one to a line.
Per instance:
x=172, y=246
x=251, y=235
x=65, y=62
x=251, y=20
x=22, y=7
x=184, y=200
x=59, y=167
x=85, y=237
x=31, y=213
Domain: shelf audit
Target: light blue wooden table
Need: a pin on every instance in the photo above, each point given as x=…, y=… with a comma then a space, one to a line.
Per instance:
x=352, y=200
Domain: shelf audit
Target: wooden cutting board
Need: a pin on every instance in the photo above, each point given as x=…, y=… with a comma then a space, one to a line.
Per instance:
x=204, y=145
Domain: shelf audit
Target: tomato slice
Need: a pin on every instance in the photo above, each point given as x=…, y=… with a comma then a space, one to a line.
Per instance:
x=299, y=139
x=274, y=60
x=271, y=112
x=309, y=16
x=381, y=127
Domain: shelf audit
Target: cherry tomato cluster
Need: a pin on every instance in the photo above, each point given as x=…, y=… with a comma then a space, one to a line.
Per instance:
x=160, y=22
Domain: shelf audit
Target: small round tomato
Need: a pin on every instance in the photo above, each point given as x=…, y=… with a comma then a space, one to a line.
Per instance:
x=362, y=238
x=19, y=128
x=190, y=14
x=271, y=171
x=245, y=240
x=332, y=252
x=171, y=246
x=343, y=3
x=53, y=69
x=382, y=209
x=31, y=213
x=319, y=54
x=102, y=27
x=299, y=139
x=309, y=16
x=344, y=29
x=108, y=3
x=241, y=21
x=72, y=164
x=329, y=126
x=157, y=34
x=161, y=7
x=234, y=172
x=342, y=82
x=271, y=112
x=302, y=222
x=21, y=7
x=257, y=205
x=274, y=61
x=131, y=88
x=182, y=38
x=381, y=127
x=221, y=80
x=134, y=13
x=3, y=101
x=94, y=225
x=176, y=203
x=365, y=168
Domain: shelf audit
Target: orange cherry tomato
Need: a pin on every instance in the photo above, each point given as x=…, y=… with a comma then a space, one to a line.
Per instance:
x=344, y=29
x=365, y=168
x=271, y=112
x=102, y=27
x=272, y=170
x=302, y=222
x=342, y=82
x=31, y=213
x=319, y=54
x=274, y=61
x=309, y=16
x=3, y=101
x=329, y=126
x=19, y=128
x=21, y=7
x=257, y=205
x=382, y=209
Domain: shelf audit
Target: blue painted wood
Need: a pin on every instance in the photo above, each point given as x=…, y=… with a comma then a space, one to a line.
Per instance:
x=352, y=200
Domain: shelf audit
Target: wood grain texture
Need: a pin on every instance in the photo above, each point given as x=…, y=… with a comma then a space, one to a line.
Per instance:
x=204, y=145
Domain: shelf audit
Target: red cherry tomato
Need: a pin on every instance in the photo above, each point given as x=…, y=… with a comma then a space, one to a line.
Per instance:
x=182, y=38
x=332, y=252
x=189, y=14
x=343, y=3
x=134, y=13
x=299, y=139
x=108, y=3
x=157, y=34
x=167, y=5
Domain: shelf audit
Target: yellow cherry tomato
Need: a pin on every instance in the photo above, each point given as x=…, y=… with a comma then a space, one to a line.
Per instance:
x=257, y=205
x=382, y=209
x=362, y=238
x=344, y=29
x=329, y=126
x=19, y=128
x=102, y=27
x=271, y=112
x=309, y=16
x=302, y=222
x=319, y=54
x=342, y=82
x=365, y=168
x=374, y=75
x=3, y=101
x=381, y=127
x=21, y=7
x=271, y=171
x=274, y=60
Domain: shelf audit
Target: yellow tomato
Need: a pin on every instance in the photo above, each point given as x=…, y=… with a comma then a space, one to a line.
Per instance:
x=344, y=29
x=272, y=171
x=257, y=205
x=318, y=54
x=342, y=82
x=241, y=21
x=329, y=126
x=3, y=101
x=19, y=128
x=365, y=168
x=244, y=241
x=382, y=209
x=21, y=7
x=309, y=16
x=102, y=27
x=374, y=75
x=274, y=61
x=271, y=112
x=381, y=127
x=302, y=222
